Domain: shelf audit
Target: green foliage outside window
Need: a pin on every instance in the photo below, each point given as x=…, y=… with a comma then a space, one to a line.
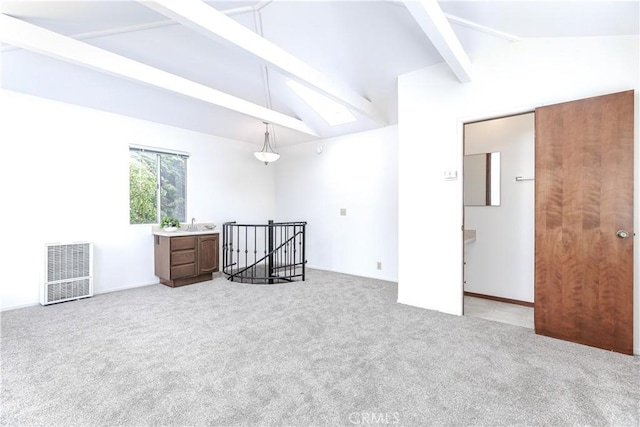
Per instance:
x=172, y=186
x=149, y=201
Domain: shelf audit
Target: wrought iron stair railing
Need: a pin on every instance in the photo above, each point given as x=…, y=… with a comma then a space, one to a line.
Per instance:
x=263, y=253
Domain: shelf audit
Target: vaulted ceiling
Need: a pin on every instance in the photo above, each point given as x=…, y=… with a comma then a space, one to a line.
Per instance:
x=352, y=51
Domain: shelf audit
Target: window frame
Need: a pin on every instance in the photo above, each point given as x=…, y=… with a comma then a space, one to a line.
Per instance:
x=160, y=151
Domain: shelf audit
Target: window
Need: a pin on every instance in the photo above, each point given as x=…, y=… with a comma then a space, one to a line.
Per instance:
x=157, y=185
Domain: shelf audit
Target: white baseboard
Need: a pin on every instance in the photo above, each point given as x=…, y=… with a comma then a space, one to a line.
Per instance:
x=124, y=288
x=95, y=292
x=386, y=279
x=411, y=304
x=15, y=307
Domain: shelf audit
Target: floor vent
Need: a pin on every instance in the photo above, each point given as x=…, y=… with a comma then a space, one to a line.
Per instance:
x=68, y=272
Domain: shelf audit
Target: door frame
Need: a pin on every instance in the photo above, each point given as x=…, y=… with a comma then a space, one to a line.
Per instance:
x=460, y=123
x=526, y=108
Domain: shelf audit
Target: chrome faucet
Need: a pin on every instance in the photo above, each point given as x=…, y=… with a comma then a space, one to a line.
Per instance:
x=192, y=227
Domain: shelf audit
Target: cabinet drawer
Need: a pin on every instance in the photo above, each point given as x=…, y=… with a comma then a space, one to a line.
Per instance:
x=183, y=257
x=186, y=270
x=181, y=243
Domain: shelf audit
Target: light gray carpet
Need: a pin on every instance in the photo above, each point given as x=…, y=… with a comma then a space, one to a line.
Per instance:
x=334, y=350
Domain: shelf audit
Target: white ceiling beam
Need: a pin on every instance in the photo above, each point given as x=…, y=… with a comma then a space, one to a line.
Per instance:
x=31, y=37
x=482, y=28
x=201, y=17
x=433, y=22
x=141, y=27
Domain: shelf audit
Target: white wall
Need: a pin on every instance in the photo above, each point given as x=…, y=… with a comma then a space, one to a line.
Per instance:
x=358, y=172
x=65, y=177
x=500, y=262
x=433, y=105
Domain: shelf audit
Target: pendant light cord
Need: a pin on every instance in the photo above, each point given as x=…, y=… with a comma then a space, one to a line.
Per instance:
x=257, y=17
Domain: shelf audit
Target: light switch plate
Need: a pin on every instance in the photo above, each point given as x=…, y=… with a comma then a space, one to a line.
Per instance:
x=343, y=211
x=450, y=175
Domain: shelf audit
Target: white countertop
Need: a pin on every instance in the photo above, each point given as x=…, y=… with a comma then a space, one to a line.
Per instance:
x=182, y=231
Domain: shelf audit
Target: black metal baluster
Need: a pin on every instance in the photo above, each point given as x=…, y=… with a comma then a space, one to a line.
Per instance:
x=289, y=250
x=246, y=248
x=295, y=237
x=286, y=250
x=300, y=238
x=304, y=258
x=225, y=231
x=270, y=249
x=238, y=245
x=231, y=248
x=230, y=253
x=278, y=248
x=224, y=248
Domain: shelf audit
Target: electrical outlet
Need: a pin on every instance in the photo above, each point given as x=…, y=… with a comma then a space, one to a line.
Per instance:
x=379, y=265
x=343, y=211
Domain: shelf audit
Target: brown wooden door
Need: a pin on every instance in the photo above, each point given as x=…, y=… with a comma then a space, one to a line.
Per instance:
x=584, y=196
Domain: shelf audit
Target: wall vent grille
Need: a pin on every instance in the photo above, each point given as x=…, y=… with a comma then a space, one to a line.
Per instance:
x=68, y=272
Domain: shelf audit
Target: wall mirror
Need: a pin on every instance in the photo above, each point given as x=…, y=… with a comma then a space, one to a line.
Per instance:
x=482, y=179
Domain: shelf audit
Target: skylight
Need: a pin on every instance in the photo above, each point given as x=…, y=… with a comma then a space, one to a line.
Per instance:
x=331, y=111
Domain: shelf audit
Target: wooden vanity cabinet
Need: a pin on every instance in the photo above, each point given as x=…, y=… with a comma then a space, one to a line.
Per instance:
x=183, y=260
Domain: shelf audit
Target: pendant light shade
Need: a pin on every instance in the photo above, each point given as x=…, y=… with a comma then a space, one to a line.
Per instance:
x=267, y=154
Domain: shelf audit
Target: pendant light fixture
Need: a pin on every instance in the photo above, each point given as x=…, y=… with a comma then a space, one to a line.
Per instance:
x=267, y=154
